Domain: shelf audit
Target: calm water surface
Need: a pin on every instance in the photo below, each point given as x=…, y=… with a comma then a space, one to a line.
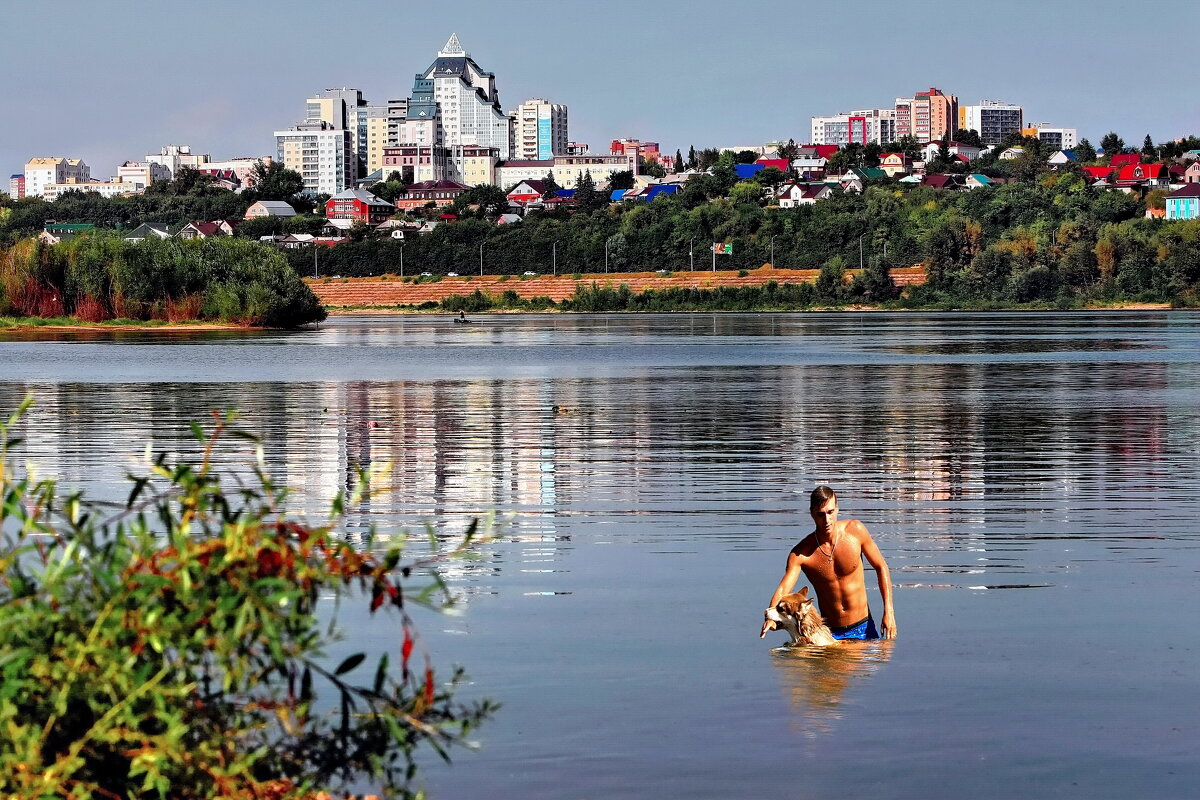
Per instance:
x=1031, y=478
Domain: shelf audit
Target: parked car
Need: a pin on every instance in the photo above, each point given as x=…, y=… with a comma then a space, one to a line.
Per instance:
x=530, y=273
x=451, y=274
x=426, y=274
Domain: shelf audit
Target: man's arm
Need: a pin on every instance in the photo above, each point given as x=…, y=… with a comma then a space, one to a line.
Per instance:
x=875, y=559
x=790, y=576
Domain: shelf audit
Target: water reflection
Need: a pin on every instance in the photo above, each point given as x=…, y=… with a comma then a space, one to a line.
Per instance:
x=815, y=680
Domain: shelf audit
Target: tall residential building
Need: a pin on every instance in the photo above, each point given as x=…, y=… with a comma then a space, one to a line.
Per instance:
x=876, y=125
x=992, y=120
x=176, y=156
x=635, y=149
x=540, y=130
x=454, y=110
x=928, y=116
x=321, y=154
x=343, y=109
x=41, y=173
x=1055, y=137
x=16, y=185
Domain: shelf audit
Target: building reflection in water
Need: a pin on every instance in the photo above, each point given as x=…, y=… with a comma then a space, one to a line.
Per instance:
x=954, y=465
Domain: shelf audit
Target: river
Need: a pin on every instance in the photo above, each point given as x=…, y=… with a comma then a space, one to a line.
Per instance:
x=1031, y=478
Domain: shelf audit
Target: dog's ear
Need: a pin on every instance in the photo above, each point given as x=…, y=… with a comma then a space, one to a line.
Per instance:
x=803, y=593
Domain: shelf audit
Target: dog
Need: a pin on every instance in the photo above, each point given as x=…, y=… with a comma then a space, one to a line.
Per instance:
x=796, y=614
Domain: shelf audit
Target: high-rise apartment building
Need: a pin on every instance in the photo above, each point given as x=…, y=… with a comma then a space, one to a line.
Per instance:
x=540, y=130
x=992, y=120
x=928, y=116
x=876, y=125
x=41, y=173
x=16, y=185
x=321, y=154
x=343, y=109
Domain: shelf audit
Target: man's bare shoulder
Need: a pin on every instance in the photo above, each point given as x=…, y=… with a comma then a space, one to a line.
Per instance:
x=857, y=531
x=805, y=547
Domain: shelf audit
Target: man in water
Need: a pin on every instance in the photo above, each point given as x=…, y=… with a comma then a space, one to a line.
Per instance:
x=831, y=557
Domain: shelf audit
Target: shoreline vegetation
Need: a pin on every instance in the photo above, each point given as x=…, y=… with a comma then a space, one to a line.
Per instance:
x=719, y=293
x=102, y=278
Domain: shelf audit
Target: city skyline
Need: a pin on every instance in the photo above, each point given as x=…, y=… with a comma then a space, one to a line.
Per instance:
x=682, y=74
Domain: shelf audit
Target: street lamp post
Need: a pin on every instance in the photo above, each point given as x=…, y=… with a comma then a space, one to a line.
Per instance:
x=314, y=247
x=606, y=256
x=481, y=259
x=554, y=258
x=691, y=255
x=860, y=252
x=772, y=252
x=402, y=259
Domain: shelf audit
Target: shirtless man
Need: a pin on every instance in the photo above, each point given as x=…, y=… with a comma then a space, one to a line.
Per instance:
x=831, y=558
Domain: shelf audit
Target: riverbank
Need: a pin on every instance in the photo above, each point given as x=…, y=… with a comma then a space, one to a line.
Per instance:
x=72, y=324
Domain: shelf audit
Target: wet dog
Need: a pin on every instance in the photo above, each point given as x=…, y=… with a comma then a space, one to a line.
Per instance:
x=796, y=614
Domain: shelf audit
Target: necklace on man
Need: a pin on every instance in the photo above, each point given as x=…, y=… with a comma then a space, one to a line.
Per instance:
x=832, y=547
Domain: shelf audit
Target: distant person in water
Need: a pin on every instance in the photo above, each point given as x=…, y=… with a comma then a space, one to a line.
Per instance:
x=831, y=557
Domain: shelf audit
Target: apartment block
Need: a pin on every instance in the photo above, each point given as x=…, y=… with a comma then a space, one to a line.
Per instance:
x=322, y=154
x=876, y=125
x=176, y=156
x=1057, y=138
x=16, y=185
x=143, y=172
x=928, y=116
x=992, y=120
x=635, y=149
x=53, y=191
x=41, y=173
x=539, y=129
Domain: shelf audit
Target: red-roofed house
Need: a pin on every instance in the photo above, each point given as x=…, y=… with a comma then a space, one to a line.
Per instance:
x=780, y=164
x=895, y=164
x=203, y=230
x=440, y=193
x=1098, y=173
x=358, y=204
x=1124, y=159
x=1147, y=176
x=527, y=191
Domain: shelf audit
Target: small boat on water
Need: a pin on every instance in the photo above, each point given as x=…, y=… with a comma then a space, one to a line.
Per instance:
x=461, y=319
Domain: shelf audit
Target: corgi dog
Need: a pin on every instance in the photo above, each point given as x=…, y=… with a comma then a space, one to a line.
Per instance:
x=797, y=614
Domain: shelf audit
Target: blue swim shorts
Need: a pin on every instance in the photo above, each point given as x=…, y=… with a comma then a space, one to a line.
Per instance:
x=859, y=630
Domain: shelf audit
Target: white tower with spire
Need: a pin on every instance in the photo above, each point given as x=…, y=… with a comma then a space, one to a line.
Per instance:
x=466, y=99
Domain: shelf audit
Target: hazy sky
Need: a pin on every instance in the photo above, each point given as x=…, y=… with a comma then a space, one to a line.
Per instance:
x=110, y=80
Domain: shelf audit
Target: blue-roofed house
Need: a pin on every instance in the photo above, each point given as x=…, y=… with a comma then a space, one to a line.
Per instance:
x=617, y=195
x=1062, y=157
x=977, y=181
x=745, y=172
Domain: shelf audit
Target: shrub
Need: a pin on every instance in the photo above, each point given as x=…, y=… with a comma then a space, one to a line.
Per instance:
x=172, y=648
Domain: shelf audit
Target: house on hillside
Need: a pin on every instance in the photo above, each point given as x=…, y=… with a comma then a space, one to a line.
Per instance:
x=1192, y=173
x=149, y=230
x=270, y=208
x=1011, y=153
x=810, y=168
x=1143, y=176
x=969, y=152
x=977, y=181
x=1062, y=157
x=1125, y=159
x=939, y=181
x=56, y=232
x=794, y=194
x=205, y=230
x=527, y=191
x=745, y=172
x=894, y=164
x=1184, y=203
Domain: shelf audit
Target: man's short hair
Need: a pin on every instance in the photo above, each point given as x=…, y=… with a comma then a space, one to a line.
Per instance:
x=820, y=496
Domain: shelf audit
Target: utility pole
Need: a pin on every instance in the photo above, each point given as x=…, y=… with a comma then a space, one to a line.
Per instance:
x=860, y=254
x=481, y=259
x=691, y=255
x=402, y=259
x=606, y=256
x=314, y=247
x=772, y=252
x=554, y=258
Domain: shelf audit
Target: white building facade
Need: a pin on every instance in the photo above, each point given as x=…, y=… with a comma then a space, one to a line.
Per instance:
x=321, y=154
x=176, y=156
x=867, y=125
x=41, y=173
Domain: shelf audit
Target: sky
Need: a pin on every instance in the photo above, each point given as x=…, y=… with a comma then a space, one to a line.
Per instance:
x=113, y=80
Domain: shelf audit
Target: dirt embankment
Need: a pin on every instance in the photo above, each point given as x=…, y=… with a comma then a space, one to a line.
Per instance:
x=388, y=291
